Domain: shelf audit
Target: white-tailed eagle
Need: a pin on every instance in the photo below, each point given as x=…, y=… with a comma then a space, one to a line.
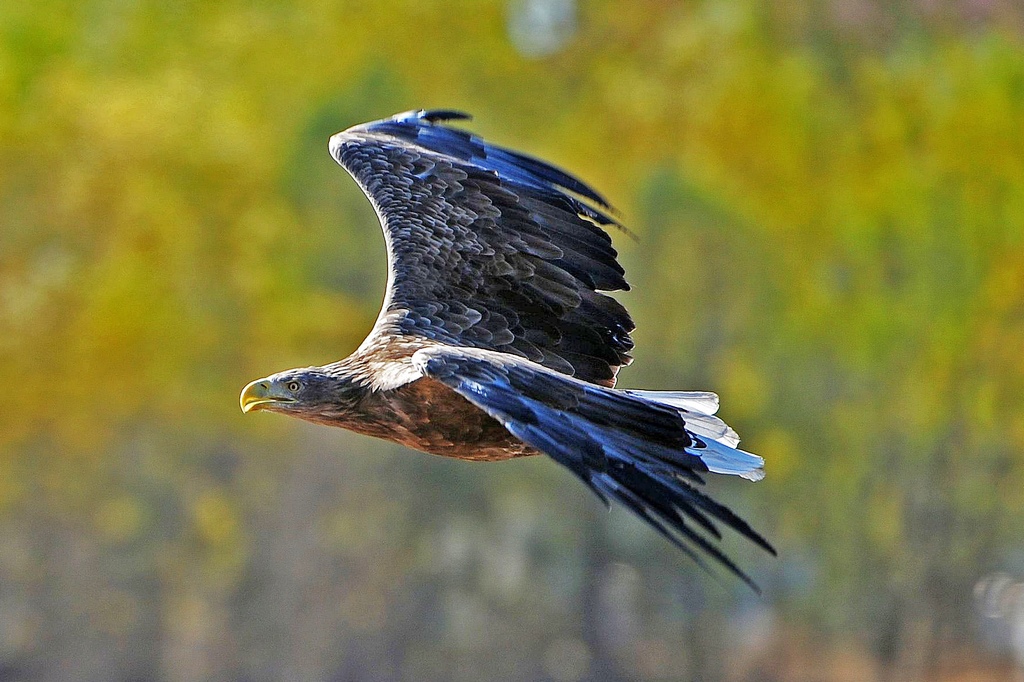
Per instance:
x=495, y=339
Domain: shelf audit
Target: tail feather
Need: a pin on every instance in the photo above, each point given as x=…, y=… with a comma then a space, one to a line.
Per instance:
x=722, y=459
x=713, y=428
x=701, y=402
x=716, y=442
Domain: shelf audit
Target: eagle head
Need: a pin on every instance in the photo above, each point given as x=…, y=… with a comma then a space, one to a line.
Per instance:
x=307, y=393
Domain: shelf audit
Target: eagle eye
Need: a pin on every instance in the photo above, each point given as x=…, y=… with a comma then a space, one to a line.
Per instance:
x=293, y=386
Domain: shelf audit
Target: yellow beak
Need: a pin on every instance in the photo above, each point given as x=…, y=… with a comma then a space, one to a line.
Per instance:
x=255, y=395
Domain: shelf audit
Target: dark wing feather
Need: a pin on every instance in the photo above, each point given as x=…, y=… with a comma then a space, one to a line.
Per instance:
x=490, y=248
x=626, y=449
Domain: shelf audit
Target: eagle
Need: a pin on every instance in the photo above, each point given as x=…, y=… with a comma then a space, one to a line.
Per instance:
x=496, y=338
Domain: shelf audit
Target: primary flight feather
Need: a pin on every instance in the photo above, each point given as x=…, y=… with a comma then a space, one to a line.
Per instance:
x=495, y=339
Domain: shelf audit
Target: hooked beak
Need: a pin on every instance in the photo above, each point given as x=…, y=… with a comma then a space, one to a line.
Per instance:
x=260, y=394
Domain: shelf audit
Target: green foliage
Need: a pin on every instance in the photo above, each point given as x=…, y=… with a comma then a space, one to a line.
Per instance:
x=829, y=207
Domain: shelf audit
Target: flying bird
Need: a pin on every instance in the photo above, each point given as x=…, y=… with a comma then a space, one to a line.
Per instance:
x=496, y=339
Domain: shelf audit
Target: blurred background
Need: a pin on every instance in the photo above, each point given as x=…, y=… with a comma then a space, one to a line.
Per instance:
x=829, y=203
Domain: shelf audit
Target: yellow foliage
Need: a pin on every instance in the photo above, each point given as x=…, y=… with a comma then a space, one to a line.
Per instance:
x=120, y=519
x=829, y=209
x=215, y=518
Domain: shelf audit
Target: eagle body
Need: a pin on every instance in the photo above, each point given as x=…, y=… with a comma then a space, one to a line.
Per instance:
x=425, y=416
x=497, y=338
x=428, y=419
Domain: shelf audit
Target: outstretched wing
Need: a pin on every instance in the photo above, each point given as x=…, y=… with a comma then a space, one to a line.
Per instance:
x=489, y=248
x=639, y=453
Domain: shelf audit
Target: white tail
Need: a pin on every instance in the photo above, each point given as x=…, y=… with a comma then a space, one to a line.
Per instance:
x=720, y=454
